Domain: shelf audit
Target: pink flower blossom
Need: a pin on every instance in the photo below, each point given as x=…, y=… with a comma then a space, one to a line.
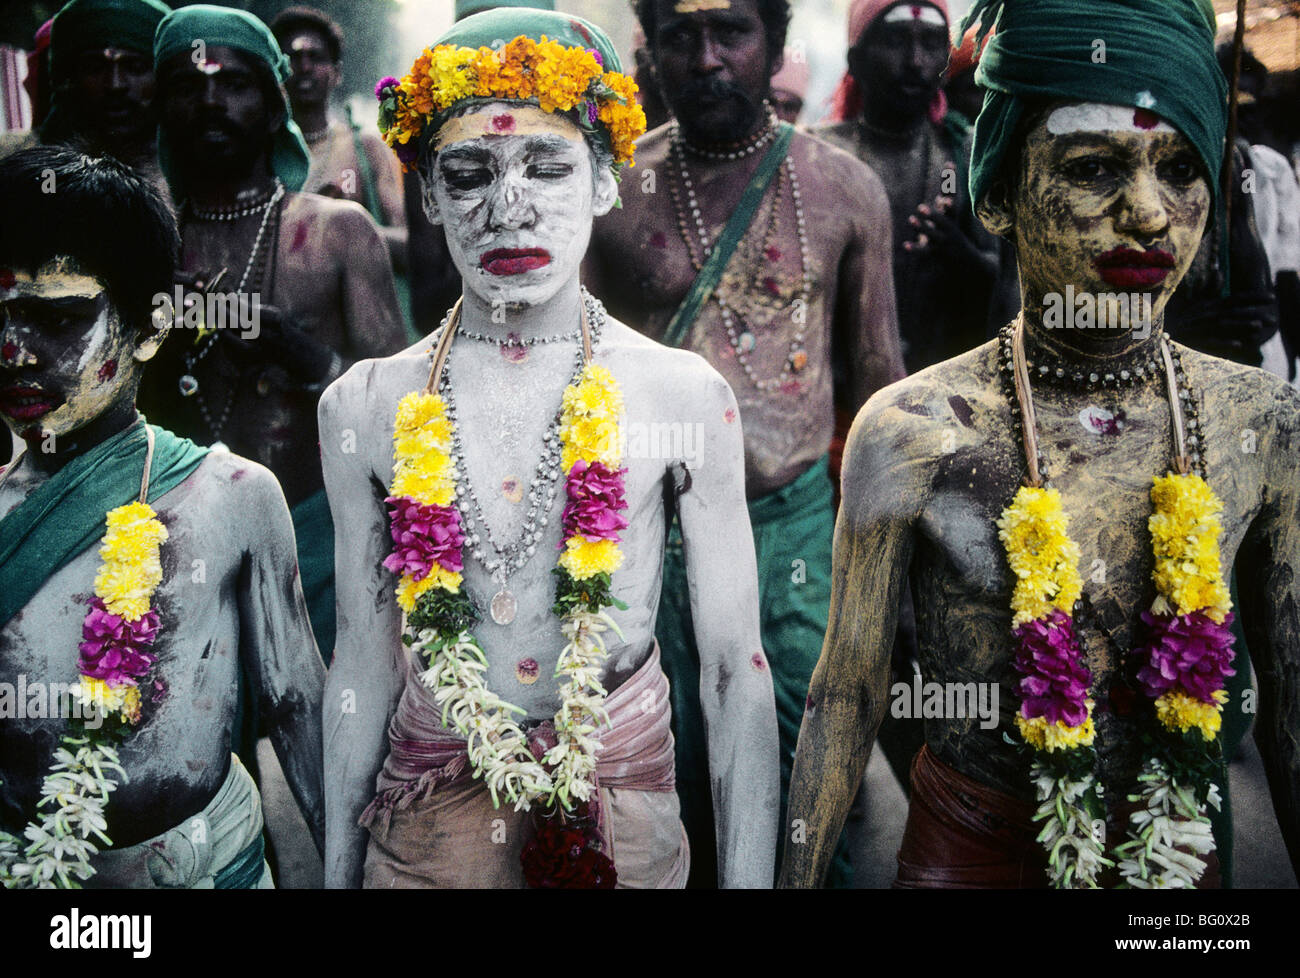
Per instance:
x=1192, y=652
x=116, y=650
x=595, y=497
x=423, y=536
x=1056, y=680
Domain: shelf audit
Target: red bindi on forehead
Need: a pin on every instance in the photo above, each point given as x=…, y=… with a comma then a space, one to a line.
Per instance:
x=503, y=123
x=1145, y=119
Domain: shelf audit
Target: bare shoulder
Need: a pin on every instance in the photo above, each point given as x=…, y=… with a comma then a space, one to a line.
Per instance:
x=839, y=181
x=917, y=422
x=1250, y=394
x=237, y=493
x=336, y=217
x=370, y=389
x=682, y=378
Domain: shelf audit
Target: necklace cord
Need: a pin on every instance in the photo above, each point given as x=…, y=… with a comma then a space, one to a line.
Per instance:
x=148, y=464
x=1029, y=421
x=443, y=348
x=1025, y=397
x=1175, y=408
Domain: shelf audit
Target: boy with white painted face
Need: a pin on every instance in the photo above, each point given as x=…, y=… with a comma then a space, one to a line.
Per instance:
x=486, y=485
x=1070, y=501
x=194, y=579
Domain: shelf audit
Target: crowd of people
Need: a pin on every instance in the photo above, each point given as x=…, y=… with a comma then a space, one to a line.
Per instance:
x=574, y=475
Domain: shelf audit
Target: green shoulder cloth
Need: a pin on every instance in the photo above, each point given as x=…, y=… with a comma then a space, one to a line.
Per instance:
x=65, y=515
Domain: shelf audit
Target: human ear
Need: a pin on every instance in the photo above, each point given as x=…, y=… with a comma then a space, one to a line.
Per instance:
x=606, y=193
x=147, y=348
x=995, y=211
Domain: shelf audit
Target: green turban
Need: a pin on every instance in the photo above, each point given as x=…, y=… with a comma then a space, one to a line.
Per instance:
x=1150, y=54
x=492, y=28
x=227, y=27
x=94, y=24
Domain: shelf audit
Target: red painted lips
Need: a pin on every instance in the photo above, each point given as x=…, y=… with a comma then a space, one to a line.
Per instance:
x=26, y=403
x=1131, y=269
x=514, y=261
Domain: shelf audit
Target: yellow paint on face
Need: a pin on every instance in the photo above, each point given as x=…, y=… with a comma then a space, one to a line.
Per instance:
x=699, y=6
x=1085, y=193
x=523, y=120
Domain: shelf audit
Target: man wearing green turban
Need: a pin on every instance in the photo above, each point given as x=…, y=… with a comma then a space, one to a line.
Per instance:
x=102, y=83
x=1075, y=650
x=310, y=275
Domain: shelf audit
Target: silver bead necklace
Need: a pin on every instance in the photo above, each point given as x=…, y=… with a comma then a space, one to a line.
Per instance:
x=505, y=559
x=796, y=358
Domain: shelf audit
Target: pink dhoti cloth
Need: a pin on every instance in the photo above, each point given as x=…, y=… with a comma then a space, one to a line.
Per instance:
x=432, y=823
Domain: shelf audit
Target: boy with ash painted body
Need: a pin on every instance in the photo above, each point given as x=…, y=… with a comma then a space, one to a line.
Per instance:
x=78, y=268
x=517, y=210
x=1111, y=193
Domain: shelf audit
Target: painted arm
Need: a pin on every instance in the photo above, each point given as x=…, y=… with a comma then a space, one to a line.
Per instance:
x=388, y=187
x=1270, y=607
x=365, y=676
x=848, y=694
x=371, y=317
x=276, y=647
x=864, y=309
x=735, y=682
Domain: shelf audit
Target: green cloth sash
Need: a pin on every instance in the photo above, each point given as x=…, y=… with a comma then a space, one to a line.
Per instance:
x=243, y=872
x=65, y=515
x=707, y=280
x=313, y=527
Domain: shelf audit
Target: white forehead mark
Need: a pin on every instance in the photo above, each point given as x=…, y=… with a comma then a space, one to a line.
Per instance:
x=505, y=120
x=908, y=12
x=697, y=6
x=1096, y=117
x=58, y=278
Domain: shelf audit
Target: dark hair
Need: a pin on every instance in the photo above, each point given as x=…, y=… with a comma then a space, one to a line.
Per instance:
x=113, y=221
x=294, y=20
x=775, y=15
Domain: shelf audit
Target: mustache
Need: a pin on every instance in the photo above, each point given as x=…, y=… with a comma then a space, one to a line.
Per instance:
x=712, y=87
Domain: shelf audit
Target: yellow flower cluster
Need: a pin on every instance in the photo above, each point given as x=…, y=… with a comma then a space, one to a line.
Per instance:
x=1034, y=529
x=1179, y=712
x=422, y=470
x=130, y=570
x=558, y=78
x=1185, y=533
x=422, y=466
x=589, y=431
x=1041, y=735
x=110, y=699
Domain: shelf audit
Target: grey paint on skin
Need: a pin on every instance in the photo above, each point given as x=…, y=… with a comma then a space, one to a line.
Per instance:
x=912, y=504
x=516, y=207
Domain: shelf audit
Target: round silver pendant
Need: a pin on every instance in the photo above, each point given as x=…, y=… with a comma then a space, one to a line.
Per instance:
x=189, y=386
x=504, y=607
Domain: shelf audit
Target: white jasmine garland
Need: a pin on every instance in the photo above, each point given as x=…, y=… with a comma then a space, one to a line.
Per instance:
x=1075, y=857
x=59, y=846
x=1168, y=834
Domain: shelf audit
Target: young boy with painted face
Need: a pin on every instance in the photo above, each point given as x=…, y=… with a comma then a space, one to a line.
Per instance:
x=516, y=186
x=1085, y=451
x=85, y=247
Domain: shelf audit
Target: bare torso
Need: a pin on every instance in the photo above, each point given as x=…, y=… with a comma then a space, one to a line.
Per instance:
x=330, y=277
x=643, y=271
x=230, y=597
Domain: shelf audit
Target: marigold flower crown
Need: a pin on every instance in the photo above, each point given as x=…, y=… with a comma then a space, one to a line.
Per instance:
x=569, y=80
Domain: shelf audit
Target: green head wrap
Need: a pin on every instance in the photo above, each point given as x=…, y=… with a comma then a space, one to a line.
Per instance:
x=84, y=24
x=226, y=27
x=466, y=7
x=1151, y=54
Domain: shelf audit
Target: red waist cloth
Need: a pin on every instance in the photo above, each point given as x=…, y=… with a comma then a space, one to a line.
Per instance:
x=962, y=834
x=636, y=749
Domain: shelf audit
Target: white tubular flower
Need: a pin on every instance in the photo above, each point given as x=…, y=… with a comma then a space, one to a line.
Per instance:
x=1075, y=856
x=1168, y=834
